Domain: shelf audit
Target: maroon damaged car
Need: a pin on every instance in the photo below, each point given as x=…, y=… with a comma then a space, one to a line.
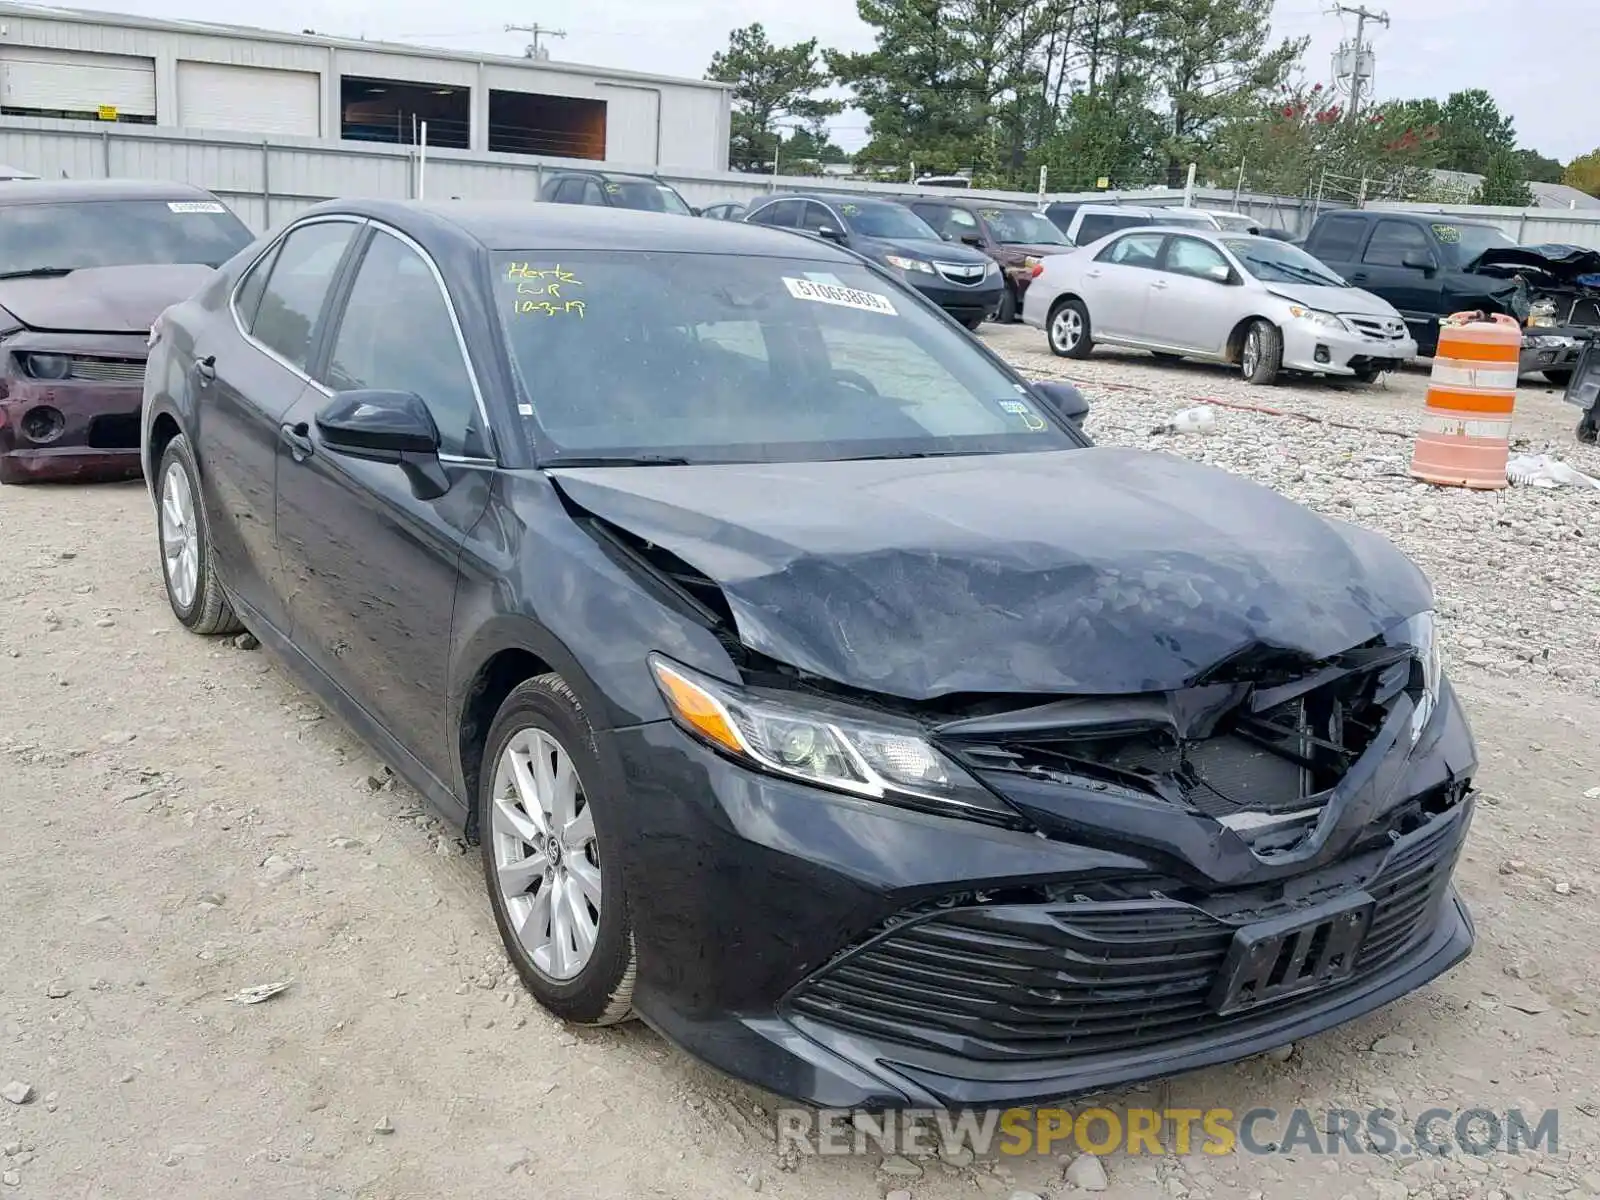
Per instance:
x=1017, y=238
x=85, y=269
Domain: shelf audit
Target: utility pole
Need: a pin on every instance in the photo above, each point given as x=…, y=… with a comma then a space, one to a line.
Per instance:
x=1356, y=61
x=535, y=50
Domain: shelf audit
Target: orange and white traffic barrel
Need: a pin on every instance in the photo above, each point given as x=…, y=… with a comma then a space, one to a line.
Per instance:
x=1465, y=437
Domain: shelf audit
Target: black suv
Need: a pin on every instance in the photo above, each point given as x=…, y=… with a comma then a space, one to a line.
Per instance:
x=613, y=189
x=964, y=282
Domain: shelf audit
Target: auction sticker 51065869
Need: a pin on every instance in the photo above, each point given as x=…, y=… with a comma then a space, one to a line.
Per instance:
x=845, y=297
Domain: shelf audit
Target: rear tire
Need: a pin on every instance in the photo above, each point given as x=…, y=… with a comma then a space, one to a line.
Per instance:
x=188, y=567
x=554, y=875
x=1069, y=331
x=1261, y=356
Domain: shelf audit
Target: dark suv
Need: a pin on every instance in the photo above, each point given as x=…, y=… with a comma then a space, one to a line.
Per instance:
x=1014, y=236
x=613, y=189
x=962, y=281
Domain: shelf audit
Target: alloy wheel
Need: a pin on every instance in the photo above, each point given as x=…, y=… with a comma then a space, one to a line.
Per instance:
x=1067, y=329
x=180, y=536
x=546, y=858
x=1251, y=358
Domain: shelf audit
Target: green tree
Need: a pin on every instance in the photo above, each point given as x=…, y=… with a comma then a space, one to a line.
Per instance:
x=1583, y=173
x=1538, y=168
x=1211, y=62
x=770, y=83
x=1503, y=182
x=1472, y=130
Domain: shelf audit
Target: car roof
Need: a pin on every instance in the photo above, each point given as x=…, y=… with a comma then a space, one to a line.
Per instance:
x=66, y=191
x=520, y=225
x=599, y=173
x=957, y=200
x=838, y=198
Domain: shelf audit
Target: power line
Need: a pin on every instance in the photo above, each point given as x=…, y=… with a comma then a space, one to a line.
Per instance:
x=535, y=50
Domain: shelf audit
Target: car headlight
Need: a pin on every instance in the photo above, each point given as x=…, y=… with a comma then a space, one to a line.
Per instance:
x=908, y=264
x=1314, y=317
x=875, y=758
x=47, y=366
x=1031, y=261
x=1421, y=634
x=991, y=268
x=1542, y=312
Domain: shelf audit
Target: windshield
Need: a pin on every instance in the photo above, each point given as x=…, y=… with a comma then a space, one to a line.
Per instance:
x=1278, y=262
x=1015, y=226
x=718, y=358
x=887, y=221
x=1472, y=240
x=118, y=233
x=646, y=194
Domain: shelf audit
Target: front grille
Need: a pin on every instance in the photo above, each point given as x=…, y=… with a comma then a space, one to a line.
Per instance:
x=108, y=370
x=962, y=273
x=1022, y=983
x=1269, y=761
x=1386, y=328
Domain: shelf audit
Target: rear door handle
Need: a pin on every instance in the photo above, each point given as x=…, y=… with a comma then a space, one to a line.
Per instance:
x=298, y=439
x=1091, y=274
x=1160, y=283
x=206, y=369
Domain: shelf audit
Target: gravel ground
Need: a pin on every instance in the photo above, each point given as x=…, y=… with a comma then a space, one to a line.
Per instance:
x=182, y=822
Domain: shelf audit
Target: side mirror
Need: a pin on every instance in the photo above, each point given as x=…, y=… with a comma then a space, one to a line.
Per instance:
x=695, y=212
x=1064, y=400
x=1219, y=274
x=948, y=236
x=972, y=239
x=830, y=233
x=1419, y=262
x=388, y=427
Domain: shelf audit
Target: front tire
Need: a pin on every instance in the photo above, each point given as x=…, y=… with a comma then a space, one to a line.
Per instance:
x=1069, y=331
x=1560, y=376
x=187, y=564
x=1010, y=310
x=549, y=840
x=1261, y=356
x=973, y=323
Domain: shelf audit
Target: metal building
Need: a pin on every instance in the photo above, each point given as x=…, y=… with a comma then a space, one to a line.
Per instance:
x=75, y=65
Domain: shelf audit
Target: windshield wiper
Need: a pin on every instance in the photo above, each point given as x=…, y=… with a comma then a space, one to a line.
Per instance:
x=617, y=460
x=1306, y=274
x=37, y=273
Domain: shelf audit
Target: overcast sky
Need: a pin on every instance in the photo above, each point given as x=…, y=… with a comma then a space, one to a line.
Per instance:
x=1534, y=56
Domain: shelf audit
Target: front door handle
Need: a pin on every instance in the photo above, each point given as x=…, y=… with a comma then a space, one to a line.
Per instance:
x=1160, y=283
x=1359, y=277
x=1091, y=274
x=298, y=439
x=206, y=369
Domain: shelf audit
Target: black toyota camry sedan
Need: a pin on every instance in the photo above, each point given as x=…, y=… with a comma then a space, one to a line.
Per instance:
x=813, y=686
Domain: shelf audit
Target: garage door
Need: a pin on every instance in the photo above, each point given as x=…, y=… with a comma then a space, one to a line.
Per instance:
x=71, y=81
x=249, y=99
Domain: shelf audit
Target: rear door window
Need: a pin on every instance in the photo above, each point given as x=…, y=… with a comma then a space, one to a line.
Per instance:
x=297, y=289
x=1339, y=239
x=1135, y=250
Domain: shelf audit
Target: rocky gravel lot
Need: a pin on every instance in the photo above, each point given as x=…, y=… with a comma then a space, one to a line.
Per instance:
x=182, y=823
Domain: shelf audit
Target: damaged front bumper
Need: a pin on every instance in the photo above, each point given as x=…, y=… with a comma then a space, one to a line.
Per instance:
x=1552, y=349
x=1330, y=351
x=82, y=427
x=850, y=953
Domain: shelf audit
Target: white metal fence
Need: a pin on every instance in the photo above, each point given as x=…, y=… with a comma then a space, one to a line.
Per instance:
x=267, y=182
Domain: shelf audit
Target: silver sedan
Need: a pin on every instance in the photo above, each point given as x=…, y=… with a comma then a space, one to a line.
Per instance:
x=1256, y=302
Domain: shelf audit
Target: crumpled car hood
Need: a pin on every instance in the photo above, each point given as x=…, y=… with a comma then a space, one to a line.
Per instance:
x=1352, y=300
x=1094, y=571
x=1563, y=262
x=102, y=299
